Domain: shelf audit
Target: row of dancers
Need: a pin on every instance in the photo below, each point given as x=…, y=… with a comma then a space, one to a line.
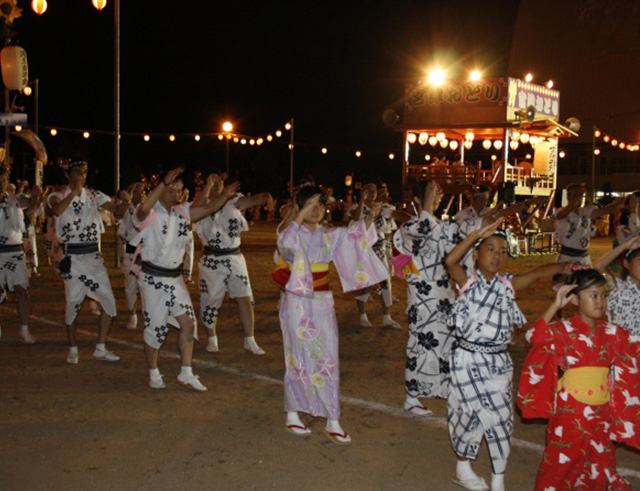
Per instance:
x=461, y=309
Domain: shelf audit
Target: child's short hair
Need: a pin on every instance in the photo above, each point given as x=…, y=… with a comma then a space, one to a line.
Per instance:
x=630, y=255
x=586, y=278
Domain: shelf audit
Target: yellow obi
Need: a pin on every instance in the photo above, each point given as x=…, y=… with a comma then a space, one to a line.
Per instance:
x=320, y=272
x=589, y=385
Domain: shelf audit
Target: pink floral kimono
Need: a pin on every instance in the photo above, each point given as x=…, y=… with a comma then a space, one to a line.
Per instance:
x=307, y=314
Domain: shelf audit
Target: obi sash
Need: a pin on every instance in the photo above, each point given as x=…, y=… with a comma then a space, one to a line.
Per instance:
x=572, y=252
x=320, y=272
x=589, y=385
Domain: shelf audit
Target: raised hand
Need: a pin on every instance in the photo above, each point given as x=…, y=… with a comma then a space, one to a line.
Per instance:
x=308, y=207
x=270, y=202
x=633, y=243
x=171, y=176
x=212, y=180
x=230, y=190
x=490, y=229
x=563, y=296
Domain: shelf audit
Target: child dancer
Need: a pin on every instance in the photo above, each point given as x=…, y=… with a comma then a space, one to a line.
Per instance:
x=382, y=246
x=625, y=297
x=595, y=402
x=483, y=316
x=307, y=314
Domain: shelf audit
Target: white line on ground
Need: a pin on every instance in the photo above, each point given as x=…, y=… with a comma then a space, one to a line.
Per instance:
x=379, y=407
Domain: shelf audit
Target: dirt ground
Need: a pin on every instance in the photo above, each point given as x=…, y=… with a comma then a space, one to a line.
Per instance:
x=98, y=426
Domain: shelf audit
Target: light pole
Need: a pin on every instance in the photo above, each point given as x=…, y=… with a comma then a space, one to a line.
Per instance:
x=227, y=128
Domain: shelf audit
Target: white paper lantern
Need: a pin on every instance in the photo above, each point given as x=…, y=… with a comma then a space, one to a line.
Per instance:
x=486, y=144
x=423, y=138
x=440, y=136
x=411, y=138
x=524, y=138
x=469, y=136
x=453, y=144
x=514, y=144
x=433, y=141
x=497, y=144
x=468, y=144
x=444, y=143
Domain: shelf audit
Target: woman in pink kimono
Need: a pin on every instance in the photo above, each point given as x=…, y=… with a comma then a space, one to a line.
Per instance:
x=307, y=313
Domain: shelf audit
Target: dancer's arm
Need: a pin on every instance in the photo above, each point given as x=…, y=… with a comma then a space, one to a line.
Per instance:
x=524, y=280
x=563, y=297
x=610, y=208
x=257, y=200
x=452, y=261
x=152, y=198
x=609, y=257
x=58, y=206
x=358, y=212
x=198, y=212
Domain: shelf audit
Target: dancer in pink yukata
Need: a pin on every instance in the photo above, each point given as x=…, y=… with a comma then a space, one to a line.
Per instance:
x=307, y=313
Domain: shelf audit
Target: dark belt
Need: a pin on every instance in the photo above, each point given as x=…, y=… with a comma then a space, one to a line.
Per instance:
x=489, y=349
x=88, y=248
x=129, y=249
x=214, y=251
x=10, y=248
x=155, y=270
x=570, y=251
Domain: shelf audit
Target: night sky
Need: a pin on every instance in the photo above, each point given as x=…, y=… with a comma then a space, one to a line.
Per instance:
x=187, y=66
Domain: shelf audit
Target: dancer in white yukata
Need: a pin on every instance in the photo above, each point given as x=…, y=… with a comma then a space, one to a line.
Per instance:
x=623, y=303
x=13, y=270
x=480, y=400
x=307, y=313
x=164, y=222
x=223, y=268
x=429, y=299
x=382, y=247
x=126, y=232
x=573, y=225
x=78, y=228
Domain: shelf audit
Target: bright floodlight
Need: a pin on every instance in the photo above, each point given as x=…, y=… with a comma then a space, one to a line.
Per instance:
x=550, y=84
x=436, y=77
x=227, y=126
x=475, y=75
x=528, y=77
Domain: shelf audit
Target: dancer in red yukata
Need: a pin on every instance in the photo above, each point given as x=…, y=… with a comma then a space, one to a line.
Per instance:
x=595, y=402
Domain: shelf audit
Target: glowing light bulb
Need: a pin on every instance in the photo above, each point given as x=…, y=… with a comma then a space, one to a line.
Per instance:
x=287, y=126
x=278, y=133
x=197, y=137
x=475, y=75
x=172, y=138
x=391, y=156
x=528, y=77
x=324, y=150
x=486, y=144
x=39, y=6
x=433, y=141
x=411, y=138
x=146, y=138
x=86, y=135
x=358, y=153
x=497, y=144
x=53, y=132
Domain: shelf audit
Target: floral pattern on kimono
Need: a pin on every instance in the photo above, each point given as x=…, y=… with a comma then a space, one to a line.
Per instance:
x=430, y=298
x=308, y=319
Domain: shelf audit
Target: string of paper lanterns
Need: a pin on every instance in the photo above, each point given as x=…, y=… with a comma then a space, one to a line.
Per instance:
x=434, y=139
x=614, y=142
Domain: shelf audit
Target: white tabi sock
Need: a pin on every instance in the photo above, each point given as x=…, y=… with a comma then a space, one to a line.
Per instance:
x=386, y=318
x=464, y=470
x=154, y=373
x=497, y=482
x=73, y=349
x=186, y=371
x=101, y=347
x=363, y=317
x=24, y=329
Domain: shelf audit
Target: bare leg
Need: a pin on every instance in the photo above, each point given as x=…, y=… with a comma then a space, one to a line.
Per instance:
x=22, y=295
x=247, y=318
x=104, y=324
x=185, y=339
x=151, y=354
x=71, y=334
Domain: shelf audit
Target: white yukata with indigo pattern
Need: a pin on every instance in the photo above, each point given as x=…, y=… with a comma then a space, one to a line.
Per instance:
x=222, y=273
x=80, y=224
x=480, y=402
x=164, y=236
x=429, y=300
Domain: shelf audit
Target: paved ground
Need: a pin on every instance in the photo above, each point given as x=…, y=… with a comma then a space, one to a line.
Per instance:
x=97, y=426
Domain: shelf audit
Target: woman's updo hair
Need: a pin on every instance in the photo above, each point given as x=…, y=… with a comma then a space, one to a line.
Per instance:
x=306, y=189
x=420, y=188
x=585, y=278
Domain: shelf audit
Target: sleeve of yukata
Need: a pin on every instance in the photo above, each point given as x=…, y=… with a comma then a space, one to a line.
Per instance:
x=290, y=247
x=625, y=391
x=357, y=265
x=101, y=198
x=539, y=376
